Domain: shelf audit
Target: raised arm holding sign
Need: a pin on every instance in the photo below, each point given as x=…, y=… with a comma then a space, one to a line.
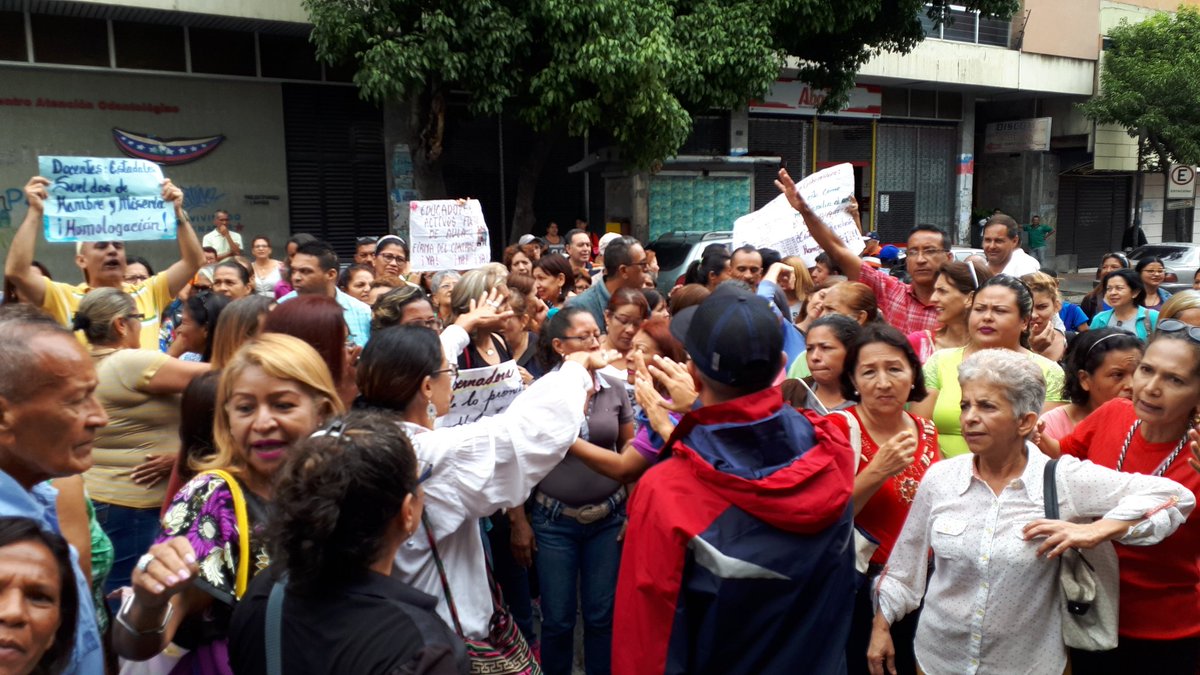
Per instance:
x=909, y=307
x=818, y=221
x=824, y=220
x=101, y=261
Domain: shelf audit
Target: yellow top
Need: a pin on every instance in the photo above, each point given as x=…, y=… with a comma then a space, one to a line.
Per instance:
x=140, y=423
x=152, y=296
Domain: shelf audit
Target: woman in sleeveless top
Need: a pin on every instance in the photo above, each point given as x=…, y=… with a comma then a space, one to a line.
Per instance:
x=267, y=272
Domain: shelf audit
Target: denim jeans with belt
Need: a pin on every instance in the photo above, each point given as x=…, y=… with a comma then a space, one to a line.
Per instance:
x=573, y=560
x=132, y=532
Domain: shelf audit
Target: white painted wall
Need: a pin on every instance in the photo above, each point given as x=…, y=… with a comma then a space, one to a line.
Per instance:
x=957, y=63
x=1152, y=210
x=251, y=161
x=272, y=10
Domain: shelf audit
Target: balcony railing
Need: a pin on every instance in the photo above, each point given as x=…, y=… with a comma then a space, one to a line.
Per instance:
x=964, y=25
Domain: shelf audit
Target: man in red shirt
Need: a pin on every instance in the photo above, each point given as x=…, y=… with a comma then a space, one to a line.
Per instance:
x=906, y=306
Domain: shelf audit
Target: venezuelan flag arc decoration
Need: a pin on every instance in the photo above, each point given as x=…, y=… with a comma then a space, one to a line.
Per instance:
x=166, y=151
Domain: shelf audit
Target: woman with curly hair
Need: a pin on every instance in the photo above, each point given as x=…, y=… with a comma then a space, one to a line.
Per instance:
x=346, y=500
x=274, y=393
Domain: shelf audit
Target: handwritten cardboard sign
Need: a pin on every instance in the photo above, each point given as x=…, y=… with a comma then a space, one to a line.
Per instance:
x=105, y=199
x=447, y=234
x=482, y=392
x=778, y=226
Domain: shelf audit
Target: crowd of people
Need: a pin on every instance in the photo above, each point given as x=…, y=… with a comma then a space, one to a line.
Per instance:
x=244, y=464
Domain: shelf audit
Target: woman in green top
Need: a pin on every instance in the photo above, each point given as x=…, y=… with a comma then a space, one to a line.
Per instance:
x=999, y=319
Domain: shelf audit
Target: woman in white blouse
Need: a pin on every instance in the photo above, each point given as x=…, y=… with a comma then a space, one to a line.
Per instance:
x=477, y=468
x=992, y=602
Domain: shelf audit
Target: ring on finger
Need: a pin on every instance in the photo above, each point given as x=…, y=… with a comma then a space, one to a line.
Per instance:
x=144, y=562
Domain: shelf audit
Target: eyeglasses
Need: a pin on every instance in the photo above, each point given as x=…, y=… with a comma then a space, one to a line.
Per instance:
x=1175, y=325
x=434, y=323
x=452, y=369
x=594, y=336
x=1157, y=273
x=363, y=241
x=135, y=278
x=925, y=252
x=392, y=257
x=135, y=317
x=645, y=264
x=626, y=321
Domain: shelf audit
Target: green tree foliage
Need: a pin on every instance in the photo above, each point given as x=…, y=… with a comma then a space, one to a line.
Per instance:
x=633, y=69
x=1150, y=81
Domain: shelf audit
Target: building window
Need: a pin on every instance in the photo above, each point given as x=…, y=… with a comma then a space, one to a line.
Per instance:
x=287, y=57
x=222, y=52
x=149, y=46
x=12, y=36
x=71, y=40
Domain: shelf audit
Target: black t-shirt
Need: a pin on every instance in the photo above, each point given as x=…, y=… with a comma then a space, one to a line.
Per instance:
x=375, y=625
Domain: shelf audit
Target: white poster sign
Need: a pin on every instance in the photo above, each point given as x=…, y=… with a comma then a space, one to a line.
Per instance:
x=778, y=226
x=482, y=392
x=447, y=234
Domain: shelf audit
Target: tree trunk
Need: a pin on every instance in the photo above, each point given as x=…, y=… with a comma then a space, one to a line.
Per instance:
x=524, y=217
x=424, y=124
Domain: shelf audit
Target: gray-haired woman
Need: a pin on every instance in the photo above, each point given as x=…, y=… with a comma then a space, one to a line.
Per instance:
x=139, y=389
x=991, y=605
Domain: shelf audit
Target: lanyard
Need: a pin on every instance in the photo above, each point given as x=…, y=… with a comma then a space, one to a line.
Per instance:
x=1162, y=468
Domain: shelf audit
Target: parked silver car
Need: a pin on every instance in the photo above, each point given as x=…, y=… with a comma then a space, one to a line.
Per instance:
x=676, y=250
x=1181, y=260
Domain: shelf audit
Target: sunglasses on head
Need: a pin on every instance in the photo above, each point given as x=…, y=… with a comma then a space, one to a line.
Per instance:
x=1175, y=326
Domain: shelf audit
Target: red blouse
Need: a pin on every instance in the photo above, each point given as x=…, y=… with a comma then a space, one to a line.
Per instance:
x=1160, y=584
x=883, y=516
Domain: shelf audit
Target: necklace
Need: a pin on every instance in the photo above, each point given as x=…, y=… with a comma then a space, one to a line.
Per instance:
x=1162, y=468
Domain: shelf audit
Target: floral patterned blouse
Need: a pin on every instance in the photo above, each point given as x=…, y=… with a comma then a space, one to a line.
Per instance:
x=203, y=512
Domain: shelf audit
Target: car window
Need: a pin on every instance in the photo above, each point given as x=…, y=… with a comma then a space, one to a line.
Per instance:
x=1179, y=255
x=671, y=254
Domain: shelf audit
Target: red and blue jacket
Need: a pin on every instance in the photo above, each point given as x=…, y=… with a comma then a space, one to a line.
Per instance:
x=739, y=555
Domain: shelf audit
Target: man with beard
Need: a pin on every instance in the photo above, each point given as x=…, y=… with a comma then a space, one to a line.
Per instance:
x=102, y=264
x=907, y=306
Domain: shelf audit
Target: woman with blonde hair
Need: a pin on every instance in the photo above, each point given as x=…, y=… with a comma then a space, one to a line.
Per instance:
x=275, y=392
x=1183, y=306
x=240, y=321
x=139, y=389
x=1044, y=338
x=797, y=286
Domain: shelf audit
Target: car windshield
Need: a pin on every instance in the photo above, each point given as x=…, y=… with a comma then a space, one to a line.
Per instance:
x=1178, y=255
x=671, y=254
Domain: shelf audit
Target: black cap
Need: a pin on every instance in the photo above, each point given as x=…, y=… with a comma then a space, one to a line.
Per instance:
x=733, y=337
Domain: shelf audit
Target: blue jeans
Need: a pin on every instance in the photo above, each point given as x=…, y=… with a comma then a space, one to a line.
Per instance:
x=132, y=532
x=577, y=561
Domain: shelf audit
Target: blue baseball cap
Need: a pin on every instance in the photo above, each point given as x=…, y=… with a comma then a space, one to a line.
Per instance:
x=733, y=337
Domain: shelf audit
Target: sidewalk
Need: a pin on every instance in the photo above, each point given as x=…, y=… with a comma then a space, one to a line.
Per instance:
x=1074, y=285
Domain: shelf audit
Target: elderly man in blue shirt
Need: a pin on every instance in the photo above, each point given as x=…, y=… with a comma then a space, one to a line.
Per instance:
x=48, y=420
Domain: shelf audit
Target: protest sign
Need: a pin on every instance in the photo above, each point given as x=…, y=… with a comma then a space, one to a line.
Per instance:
x=101, y=199
x=778, y=226
x=482, y=392
x=447, y=234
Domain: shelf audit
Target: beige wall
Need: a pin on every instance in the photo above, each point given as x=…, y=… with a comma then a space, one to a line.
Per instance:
x=959, y=63
x=271, y=10
x=246, y=175
x=1061, y=27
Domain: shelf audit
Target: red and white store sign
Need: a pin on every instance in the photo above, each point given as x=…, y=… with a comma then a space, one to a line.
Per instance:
x=793, y=97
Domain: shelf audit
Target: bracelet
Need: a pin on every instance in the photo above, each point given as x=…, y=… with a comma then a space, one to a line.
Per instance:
x=120, y=617
x=186, y=217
